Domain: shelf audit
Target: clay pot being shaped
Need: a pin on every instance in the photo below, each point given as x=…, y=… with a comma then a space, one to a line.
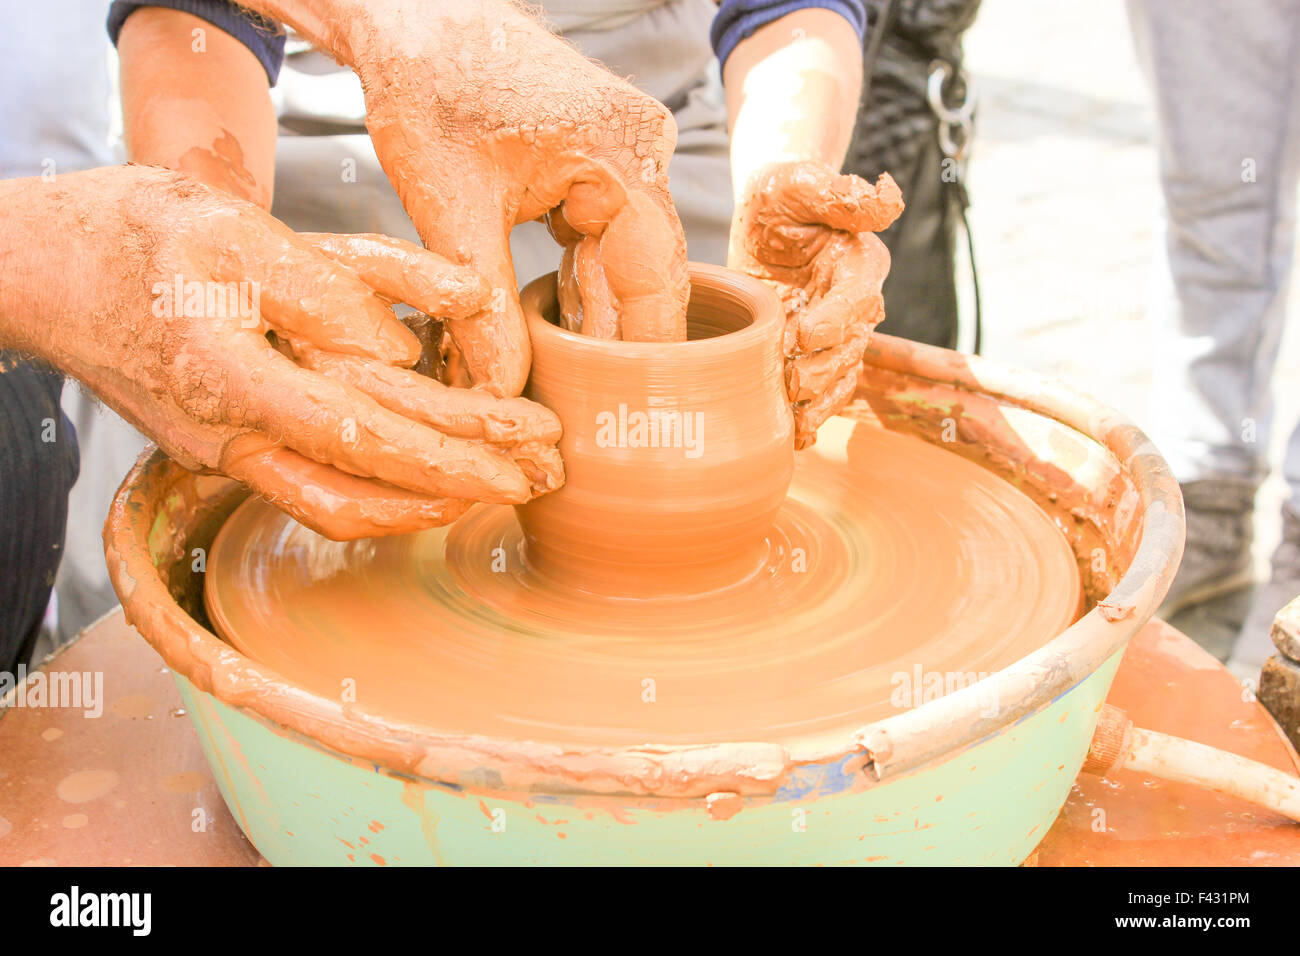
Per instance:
x=677, y=455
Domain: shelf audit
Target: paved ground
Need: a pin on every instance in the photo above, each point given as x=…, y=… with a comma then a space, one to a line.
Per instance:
x=1064, y=191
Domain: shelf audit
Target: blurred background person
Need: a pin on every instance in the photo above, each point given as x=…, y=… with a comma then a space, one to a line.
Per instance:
x=1224, y=82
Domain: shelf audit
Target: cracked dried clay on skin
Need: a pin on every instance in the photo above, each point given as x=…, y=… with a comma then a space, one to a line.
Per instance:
x=344, y=453
x=482, y=120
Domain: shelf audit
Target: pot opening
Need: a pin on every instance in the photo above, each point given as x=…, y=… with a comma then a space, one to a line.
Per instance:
x=712, y=312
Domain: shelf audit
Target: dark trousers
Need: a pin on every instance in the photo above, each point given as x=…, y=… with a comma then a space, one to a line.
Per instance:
x=38, y=466
x=898, y=132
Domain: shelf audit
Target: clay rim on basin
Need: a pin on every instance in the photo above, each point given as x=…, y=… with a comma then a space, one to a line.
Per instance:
x=137, y=526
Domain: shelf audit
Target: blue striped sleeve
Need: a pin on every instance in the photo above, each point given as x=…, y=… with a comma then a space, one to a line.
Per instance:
x=737, y=20
x=263, y=37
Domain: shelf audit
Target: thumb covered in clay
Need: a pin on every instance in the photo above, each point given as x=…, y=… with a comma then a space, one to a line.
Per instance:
x=623, y=274
x=460, y=207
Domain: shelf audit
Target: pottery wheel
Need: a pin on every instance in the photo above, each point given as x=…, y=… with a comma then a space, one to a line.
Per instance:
x=895, y=570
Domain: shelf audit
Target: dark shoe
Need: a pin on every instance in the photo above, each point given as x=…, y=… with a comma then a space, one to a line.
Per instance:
x=1220, y=532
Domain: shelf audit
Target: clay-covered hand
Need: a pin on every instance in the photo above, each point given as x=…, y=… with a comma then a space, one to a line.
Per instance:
x=483, y=120
x=241, y=348
x=807, y=231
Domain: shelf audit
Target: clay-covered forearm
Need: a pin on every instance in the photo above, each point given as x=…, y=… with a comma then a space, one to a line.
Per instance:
x=792, y=93
x=359, y=32
x=70, y=246
x=195, y=99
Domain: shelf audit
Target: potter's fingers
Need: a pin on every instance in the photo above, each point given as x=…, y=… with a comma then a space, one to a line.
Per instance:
x=456, y=203
x=524, y=431
x=404, y=272
x=626, y=277
x=588, y=191
x=780, y=244
x=332, y=423
x=642, y=249
x=812, y=194
x=333, y=503
x=856, y=265
x=643, y=253
x=790, y=336
x=541, y=462
x=459, y=412
x=808, y=376
x=810, y=415
x=567, y=292
x=493, y=345
x=467, y=222
x=305, y=296
x=865, y=260
x=832, y=319
x=587, y=303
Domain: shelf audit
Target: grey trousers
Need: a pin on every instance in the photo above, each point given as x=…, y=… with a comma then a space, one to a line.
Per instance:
x=1226, y=83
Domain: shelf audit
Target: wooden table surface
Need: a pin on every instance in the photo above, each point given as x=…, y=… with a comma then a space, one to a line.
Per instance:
x=131, y=786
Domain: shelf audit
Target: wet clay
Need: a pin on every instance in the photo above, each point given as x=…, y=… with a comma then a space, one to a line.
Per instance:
x=891, y=565
x=190, y=286
x=483, y=119
x=677, y=455
x=671, y=591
